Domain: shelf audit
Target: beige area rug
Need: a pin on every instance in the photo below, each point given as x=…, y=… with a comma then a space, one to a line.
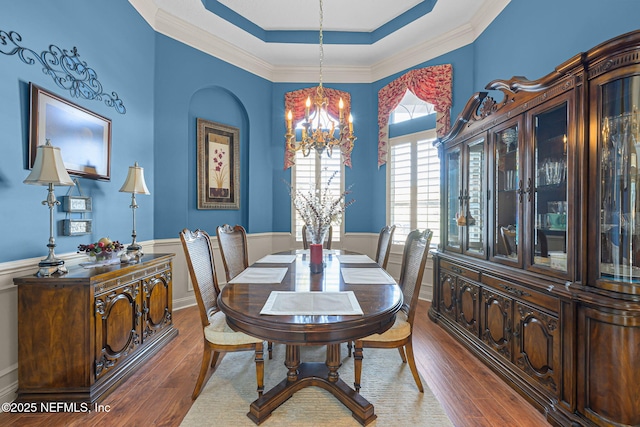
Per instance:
x=386, y=382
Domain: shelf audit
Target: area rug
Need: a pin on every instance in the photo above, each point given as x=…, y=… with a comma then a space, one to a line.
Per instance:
x=386, y=382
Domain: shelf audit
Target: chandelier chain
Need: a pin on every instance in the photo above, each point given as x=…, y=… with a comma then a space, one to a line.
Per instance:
x=321, y=39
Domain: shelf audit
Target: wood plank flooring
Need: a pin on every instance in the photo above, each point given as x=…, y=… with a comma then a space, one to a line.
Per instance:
x=159, y=394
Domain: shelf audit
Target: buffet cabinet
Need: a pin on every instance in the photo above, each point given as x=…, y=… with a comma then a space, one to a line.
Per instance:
x=82, y=333
x=538, y=270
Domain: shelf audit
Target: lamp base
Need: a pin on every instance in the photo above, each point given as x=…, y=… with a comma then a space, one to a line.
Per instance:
x=134, y=252
x=49, y=267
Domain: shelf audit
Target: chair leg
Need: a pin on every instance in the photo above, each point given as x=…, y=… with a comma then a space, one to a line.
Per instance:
x=260, y=368
x=204, y=367
x=412, y=365
x=357, y=365
x=270, y=349
x=349, y=347
x=214, y=360
x=402, y=356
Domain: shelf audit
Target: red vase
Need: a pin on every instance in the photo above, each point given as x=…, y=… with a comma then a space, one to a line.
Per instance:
x=315, y=258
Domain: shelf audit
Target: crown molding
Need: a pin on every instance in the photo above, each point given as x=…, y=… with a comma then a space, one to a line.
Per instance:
x=206, y=42
x=173, y=27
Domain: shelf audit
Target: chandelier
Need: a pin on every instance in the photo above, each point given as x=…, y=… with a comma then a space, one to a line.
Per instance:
x=319, y=130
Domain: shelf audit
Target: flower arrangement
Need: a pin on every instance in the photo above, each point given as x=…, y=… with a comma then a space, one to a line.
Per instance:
x=102, y=249
x=320, y=208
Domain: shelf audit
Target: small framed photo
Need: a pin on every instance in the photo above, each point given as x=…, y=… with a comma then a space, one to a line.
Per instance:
x=218, y=166
x=84, y=137
x=76, y=227
x=76, y=204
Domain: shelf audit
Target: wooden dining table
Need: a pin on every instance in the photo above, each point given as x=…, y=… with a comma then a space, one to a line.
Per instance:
x=242, y=303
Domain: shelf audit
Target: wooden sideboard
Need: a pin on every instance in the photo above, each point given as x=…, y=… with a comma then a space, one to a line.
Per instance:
x=538, y=270
x=81, y=334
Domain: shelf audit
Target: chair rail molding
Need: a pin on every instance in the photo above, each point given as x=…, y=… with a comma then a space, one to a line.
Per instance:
x=260, y=244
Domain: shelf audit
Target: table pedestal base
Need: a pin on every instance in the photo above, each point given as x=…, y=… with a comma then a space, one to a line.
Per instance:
x=312, y=374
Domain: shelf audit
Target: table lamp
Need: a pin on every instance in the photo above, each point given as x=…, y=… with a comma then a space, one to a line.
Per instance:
x=135, y=185
x=48, y=169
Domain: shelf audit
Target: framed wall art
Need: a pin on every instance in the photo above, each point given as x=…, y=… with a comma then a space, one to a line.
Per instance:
x=218, y=166
x=84, y=137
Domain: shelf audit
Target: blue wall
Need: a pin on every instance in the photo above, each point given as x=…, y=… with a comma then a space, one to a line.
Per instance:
x=119, y=45
x=189, y=85
x=166, y=85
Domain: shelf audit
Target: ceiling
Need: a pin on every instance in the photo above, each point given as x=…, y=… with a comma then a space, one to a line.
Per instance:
x=364, y=40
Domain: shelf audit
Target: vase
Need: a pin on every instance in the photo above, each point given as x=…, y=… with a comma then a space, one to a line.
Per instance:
x=315, y=258
x=317, y=233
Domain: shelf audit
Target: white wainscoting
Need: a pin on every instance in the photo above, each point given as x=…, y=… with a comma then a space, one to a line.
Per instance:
x=260, y=244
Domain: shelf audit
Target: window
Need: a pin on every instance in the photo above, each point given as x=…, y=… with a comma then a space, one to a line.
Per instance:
x=316, y=170
x=413, y=177
x=410, y=107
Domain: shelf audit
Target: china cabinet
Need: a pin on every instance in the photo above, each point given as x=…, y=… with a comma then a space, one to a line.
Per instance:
x=538, y=272
x=81, y=334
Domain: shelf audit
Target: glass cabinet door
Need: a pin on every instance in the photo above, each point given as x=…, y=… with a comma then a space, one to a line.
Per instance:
x=507, y=187
x=454, y=198
x=619, y=135
x=475, y=198
x=549, y=198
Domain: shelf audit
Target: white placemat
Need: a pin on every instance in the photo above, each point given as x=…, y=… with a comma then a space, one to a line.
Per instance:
x=355, y=259
x=312, y=304
x=260, y=275
x=278, y=259
x=364, y=276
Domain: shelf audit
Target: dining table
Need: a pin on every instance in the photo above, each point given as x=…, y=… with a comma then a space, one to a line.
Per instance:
x=280, y=300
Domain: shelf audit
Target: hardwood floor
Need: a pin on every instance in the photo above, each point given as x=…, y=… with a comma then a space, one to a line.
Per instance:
x=159, y=394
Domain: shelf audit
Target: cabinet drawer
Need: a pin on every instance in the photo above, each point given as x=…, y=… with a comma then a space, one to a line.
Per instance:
x=460, y=271
x=522, y=293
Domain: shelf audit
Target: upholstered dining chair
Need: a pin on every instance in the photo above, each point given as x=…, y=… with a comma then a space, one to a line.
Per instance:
x=385, y=239
x=233, y=248
x=306, y=238
x=218, y=336
x=399, y=336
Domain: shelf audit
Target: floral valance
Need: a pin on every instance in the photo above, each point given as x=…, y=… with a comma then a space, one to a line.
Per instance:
x=430, y=84
x=295, y=101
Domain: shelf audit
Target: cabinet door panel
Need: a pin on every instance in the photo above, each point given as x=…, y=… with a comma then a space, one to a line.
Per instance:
x=536, y=345
x=509, y=192
x=467, y=298
x=117, y=322
x=497, y=322
x=448, y=295
x=156, y=303
x=475, y=199
x=454, y=199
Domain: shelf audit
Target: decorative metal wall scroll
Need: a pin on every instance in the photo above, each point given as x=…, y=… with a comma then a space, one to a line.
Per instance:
x=65, y=68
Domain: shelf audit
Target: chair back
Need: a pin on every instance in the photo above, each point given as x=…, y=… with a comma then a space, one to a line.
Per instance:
x=306, y=238
x=233, y=247
x=384, y=245
x=508, y=235
x=414, y=259
x=199, y=254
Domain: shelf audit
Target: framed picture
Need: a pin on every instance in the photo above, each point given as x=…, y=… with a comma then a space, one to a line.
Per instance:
x=84, y=137
x=218, y=166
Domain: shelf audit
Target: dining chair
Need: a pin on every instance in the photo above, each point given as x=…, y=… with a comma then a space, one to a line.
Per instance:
x=218, y=336
x=233, y=248
x=400, y=335
x=306, y=238
x=385, y=238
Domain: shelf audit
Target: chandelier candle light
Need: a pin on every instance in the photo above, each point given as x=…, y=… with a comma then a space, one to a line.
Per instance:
x=319, y=129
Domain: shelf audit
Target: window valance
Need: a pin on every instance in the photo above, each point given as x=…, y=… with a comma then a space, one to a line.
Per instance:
x=430, y=84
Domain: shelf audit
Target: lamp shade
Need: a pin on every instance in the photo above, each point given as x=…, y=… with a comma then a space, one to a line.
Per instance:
x=135, y=181
x=48, y=167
